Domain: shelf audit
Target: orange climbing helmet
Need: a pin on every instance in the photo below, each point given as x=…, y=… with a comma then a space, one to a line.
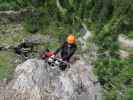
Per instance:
x=71, y=39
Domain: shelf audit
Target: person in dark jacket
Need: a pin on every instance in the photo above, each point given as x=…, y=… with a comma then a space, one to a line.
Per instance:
x=68, y=48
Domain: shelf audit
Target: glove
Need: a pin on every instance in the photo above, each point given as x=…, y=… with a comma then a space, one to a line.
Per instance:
x=50, y=53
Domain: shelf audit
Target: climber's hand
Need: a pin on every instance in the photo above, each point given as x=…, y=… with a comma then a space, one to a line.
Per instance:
x=50, y=53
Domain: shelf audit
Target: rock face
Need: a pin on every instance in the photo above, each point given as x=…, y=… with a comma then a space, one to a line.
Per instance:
x=35, y=80
x=88, y=48
x=125, y=42
x=126, y=46
x=38, y=38
x=86, y=35
x=13, y=16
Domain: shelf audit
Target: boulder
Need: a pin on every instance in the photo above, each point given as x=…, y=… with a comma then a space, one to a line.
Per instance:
x=125, y=42
x=36, y=80
x=126, y=46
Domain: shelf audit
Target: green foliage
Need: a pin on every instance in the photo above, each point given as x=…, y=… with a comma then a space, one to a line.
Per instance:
x=111, y=18
x=116, y=77
x=12, y=4
x=35, y=21
x=6, y=5
x=130, y=34
x=19, y=4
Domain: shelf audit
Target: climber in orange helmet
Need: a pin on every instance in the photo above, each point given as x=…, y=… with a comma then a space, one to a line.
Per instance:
x=68, y=48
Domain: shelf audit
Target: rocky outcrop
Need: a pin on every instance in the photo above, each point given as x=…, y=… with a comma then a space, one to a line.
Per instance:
x=126, y=46
x=125, y=42
x=86, y=35
x=35, y=80
x=88, y=47
x=13, y=16
x=39, y=38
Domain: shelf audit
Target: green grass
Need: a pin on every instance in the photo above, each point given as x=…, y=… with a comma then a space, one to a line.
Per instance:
x=130, y=34
x=6, y=68
x=14, y=34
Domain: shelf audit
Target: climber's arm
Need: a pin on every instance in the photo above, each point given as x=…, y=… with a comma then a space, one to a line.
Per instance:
x=58, y=50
